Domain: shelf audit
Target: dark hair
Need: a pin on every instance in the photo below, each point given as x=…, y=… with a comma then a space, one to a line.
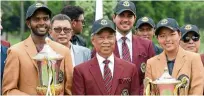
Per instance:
x=60, y=17
x=72, y=11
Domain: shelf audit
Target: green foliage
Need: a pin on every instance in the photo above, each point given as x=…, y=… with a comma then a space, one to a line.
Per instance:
x=183, y=11
x=11, y=14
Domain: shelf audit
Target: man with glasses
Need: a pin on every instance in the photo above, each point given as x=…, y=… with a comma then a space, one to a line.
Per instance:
x=61, y=32
x=105, y=73
x=190, y=38
x=76, y=14
x=145, y=29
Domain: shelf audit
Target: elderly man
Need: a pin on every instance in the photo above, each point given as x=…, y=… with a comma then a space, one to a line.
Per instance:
x=61, y=32
x=105, y=74
x=190, y=39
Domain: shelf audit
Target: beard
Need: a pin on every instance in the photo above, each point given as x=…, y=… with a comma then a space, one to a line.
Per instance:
x=38, y=33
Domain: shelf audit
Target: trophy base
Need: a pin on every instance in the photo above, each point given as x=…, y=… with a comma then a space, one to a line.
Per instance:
x=55, y=90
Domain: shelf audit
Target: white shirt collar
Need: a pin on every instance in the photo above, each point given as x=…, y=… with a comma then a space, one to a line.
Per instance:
x=101, y=59
x=101, y=64
x=119, y=36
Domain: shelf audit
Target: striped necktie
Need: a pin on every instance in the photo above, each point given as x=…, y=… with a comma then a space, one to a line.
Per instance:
x=125, y=50
x=107, y=77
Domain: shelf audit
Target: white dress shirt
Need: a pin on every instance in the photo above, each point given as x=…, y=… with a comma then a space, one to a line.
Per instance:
x=101, y=64
x=72, y=55
x=128, y=42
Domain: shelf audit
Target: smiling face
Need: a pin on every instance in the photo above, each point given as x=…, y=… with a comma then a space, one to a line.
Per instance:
x=169, y=39
x=124, y=21
x=104, y=42
x=39, y=23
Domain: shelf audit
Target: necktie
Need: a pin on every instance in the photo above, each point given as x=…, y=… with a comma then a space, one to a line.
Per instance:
x=107, y=77
x=125, y=50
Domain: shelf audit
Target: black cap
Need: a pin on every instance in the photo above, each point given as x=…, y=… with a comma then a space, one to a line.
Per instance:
x=189, y=28
x=31, y=9
x=124, y=6
x=145, y=20
x=101, y=24
x=168, y=23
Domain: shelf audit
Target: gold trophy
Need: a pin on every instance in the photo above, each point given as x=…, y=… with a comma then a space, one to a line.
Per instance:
x=165, y=85
x=48, y=62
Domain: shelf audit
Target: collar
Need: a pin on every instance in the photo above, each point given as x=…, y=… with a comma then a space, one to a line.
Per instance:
x=101, y=59
x=119, y=36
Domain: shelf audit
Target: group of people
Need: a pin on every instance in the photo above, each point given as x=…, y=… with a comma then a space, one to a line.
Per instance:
x=122, y=57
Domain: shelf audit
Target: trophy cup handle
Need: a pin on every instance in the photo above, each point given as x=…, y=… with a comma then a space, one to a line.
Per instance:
x=147, y=85
x=183, y=84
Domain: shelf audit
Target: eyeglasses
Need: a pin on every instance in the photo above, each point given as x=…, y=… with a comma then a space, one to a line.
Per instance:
x=65, y=30
x=187, y=38
x=82, y=21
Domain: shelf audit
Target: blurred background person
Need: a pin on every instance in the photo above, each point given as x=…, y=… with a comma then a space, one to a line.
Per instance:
x=76, y=15
x=4, y=46
x=61, y=32
x=145, y=28
x=190, y=38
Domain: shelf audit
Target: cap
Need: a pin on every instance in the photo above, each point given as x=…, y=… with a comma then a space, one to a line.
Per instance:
x=101, y=24
x=145, y=20
x=168, y=23
x=124, y=6
x=31, y=9
x=189, y=28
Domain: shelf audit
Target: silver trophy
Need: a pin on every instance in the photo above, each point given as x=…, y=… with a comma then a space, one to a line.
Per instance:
x=165, y=85
x=48, y=62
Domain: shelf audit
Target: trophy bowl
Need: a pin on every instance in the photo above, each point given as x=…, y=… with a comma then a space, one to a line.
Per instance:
x=165, y=85
x=50, y=75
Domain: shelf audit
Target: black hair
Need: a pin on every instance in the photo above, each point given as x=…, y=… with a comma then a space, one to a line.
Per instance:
x=72, y=11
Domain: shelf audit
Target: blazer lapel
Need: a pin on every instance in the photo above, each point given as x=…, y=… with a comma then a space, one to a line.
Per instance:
x=162, y=64
x=116, y=51
x=76, y=55
x=96, y=73
x=118, y=70
x=31, y=50
x=180, y=60
x=135, y=50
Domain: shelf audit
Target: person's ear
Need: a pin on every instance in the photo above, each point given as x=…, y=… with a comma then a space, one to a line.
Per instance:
x=73, y=23
x=28, y=23
x=179, y=33
x=92, y=40
x=135, y=17
x=113, y=17
x=50, y=31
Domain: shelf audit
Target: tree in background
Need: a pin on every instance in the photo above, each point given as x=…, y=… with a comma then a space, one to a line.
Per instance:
x=183, y=11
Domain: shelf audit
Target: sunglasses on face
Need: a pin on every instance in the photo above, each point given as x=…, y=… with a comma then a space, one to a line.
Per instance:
x=187, y=39
x=65, y=30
